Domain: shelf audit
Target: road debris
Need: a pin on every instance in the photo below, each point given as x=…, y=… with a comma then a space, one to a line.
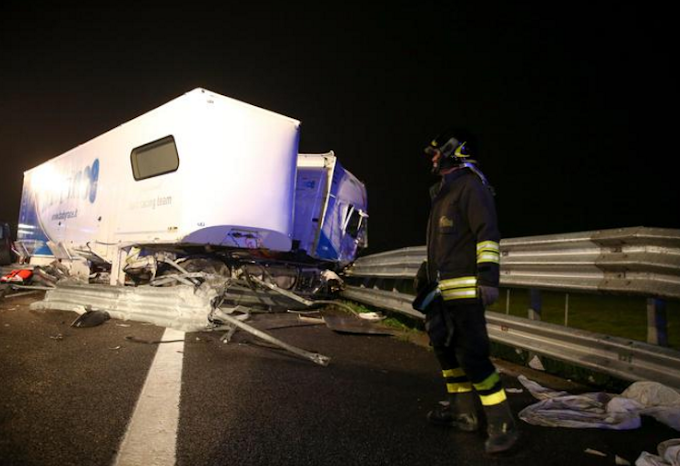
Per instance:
x=90, y=318
x=371, y=316
x=17, y=276
x=22, y=294
x=536, y=364
x=590, y=451
x=602, y=410
x=354, y=325
x=150, y=342
x=668, y=455
x=311, y=320
x=224, y=317
x=621, y=461
x=203, y=302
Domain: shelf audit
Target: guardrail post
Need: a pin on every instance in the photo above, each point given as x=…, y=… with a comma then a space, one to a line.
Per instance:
x=657, y=328
x=535, y=304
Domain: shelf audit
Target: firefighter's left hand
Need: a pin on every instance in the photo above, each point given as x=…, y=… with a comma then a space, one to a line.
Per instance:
x=488, y=294
x=420, y=281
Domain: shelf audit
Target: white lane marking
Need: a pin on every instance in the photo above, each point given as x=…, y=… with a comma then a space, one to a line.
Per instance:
x=151, y=437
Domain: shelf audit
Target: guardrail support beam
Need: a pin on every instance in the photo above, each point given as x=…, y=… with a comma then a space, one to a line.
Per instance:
x=657, y=323
x=535, y=304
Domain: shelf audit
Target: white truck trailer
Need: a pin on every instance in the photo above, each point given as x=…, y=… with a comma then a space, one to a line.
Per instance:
x=201, y=174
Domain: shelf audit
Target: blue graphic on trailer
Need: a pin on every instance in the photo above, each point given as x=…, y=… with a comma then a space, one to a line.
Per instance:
x=29, y=232
x=79, y=185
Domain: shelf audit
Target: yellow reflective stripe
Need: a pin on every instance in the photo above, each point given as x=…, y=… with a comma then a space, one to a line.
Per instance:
x=488, y=257
x=462, y=282
x=488, y=246
x=458, y=372
x=488, y=383
x=460, y=293
x=494, y=398
x=459, y=387
x=488, y=251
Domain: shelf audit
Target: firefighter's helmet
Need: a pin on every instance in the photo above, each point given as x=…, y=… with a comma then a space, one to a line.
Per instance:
x=456, y=146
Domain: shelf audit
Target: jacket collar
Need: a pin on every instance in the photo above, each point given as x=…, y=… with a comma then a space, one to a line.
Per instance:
x=442, y=186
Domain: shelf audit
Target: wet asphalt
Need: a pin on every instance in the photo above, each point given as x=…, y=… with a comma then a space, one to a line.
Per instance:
x=67, y=394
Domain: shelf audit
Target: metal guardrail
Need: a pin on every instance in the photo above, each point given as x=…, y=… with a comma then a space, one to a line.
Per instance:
x=619, y=357
x=635, y=261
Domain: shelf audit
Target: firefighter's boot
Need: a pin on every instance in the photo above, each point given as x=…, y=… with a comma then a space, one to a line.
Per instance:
x=458, y=412
x=501, y=428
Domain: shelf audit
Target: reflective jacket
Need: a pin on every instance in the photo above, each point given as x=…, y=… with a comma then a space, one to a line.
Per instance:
x=462, y=236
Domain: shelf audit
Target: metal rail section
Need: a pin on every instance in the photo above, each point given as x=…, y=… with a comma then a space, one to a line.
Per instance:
x=619, y=357
x=632, y=261
x=628, y=261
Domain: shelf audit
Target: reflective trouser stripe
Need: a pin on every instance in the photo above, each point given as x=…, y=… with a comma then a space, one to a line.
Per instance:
x=490, y=390
x=458, y=372
x=458, y=288
x=458, y=387
x=493, y=399
x=489, y=382
x=456, y=381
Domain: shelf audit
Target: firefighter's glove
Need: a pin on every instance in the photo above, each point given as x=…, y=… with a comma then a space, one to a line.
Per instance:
x=488, y=294
x=420, y=281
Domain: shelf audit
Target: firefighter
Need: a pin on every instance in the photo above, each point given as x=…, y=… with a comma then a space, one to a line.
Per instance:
x=454, y=285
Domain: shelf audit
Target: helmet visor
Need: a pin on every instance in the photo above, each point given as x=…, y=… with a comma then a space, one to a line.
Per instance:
x=430, y=151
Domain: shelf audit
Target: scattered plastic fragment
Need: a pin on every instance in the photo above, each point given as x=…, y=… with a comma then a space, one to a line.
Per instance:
x=150, y=342
x=590, y=451
x=621, y=461
x=17, y=276
x=116, y=348
x=316, y=320
x=514, y=390
x=647, y=459
x=90, y=319
x=536, y=364
x=19, y=295
x=57, y=337
x=669, y=455
x=371, y=316
x=122, y=325
x=354, y=325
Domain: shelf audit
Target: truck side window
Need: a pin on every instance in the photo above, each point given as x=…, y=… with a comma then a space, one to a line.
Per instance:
x=353, y=222
x=154, y=159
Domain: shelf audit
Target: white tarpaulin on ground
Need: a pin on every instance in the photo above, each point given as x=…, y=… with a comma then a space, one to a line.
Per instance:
x=669, y=455
x=602, y=410
x=608, y=411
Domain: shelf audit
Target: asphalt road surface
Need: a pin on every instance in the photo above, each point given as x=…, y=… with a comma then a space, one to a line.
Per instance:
x=68, y=395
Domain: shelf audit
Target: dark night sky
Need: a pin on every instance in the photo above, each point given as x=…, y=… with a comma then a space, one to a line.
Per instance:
x=573, y=105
